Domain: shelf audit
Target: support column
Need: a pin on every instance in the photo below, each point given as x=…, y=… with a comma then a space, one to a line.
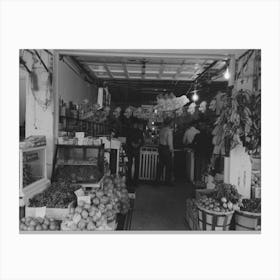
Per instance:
x=41, y=118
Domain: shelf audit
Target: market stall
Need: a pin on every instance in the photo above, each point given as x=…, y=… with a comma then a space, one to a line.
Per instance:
x=75, y=177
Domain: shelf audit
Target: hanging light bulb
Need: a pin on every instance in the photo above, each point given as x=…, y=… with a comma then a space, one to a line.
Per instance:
x=226, y=74
x=195, y=96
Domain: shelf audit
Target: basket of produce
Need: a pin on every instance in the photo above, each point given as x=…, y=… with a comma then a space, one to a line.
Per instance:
x=38, y=224
x=57, y=199
x=249, y=215
x=204, y=192
x=192, y=214
x=215, y=211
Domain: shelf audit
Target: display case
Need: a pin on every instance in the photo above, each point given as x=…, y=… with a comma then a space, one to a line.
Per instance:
x=33, y=171
x=79, y=164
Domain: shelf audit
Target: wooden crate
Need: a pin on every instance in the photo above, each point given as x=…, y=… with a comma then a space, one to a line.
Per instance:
x=55, y=213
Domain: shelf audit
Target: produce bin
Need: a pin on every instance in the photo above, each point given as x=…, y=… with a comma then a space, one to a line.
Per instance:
x=55, y=213
x=247, y=220
x=213, y=221
x=192, y=214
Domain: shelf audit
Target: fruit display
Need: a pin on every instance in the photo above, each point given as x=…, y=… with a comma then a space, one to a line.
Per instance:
x=225, y=198
x=38, y=224
x=27, y=175
x=251, y=205
x=216, y=205
x=89, y=217
x=256, y=179
x=58, y=195
x=78, y=173
x=229, y=192
x=104, y=205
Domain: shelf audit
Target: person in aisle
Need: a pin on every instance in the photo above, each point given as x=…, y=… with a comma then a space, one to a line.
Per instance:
x=135, y=140
x=115, y=121
x=166, y=152
x=203, y=148
x=190, y=133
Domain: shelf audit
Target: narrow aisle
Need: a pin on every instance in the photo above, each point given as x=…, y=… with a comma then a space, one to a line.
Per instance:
x=160, y=207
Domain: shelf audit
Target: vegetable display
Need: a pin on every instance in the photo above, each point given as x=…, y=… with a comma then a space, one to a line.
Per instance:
x=238, y=122
x=104, y=205
x=225, y=198
x=251, y=205
x=27, y=175
x=58, y=195
x=78, y=173
x=256, y=180
x=38, y=224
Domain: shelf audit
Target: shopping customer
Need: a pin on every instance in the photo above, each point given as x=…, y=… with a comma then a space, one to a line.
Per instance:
x=135, y=140
x=203, y=148
x=166, y=152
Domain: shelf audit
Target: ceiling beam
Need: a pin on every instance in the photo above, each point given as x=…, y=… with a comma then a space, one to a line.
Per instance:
x=179, y=70
x=161, y=69
x=108, y=70
x=199, y=54
x=82, y=69
x=125, y=70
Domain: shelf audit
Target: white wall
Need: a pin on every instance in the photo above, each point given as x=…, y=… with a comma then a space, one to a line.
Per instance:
x=73, y=88
x=67, y=84
x=22, y=99
x=39, y=120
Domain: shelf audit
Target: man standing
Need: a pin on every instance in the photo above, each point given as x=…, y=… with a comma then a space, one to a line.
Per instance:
x=135, y=140
x=166, y=151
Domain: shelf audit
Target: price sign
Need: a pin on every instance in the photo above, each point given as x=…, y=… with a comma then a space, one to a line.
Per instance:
x=31, y=157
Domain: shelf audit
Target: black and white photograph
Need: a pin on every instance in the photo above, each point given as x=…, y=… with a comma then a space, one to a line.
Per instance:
x=140, y=140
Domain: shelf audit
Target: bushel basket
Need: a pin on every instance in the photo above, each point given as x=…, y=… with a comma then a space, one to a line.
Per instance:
x=212, y=220
x=247, y=220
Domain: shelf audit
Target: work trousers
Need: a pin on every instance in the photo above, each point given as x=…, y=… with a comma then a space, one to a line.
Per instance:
x=165, y=160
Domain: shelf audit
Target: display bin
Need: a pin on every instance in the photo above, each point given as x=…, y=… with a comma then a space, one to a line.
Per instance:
x=55, y=213
x=79, y=164
x=191, y=214
x=245, y=221
x=214, y=221
x=33, y=171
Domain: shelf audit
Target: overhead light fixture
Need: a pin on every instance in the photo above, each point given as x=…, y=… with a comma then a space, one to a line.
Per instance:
x=195, y=97
x=226, y=74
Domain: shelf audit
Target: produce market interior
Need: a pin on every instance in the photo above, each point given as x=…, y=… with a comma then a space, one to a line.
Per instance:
x=140, y=140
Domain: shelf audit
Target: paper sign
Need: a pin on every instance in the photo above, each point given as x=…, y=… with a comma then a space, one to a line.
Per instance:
x=84, y=198
x=40, y=212
x=79, y=192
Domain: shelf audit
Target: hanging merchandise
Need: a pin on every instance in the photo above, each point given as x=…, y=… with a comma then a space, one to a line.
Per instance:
x=41, y=84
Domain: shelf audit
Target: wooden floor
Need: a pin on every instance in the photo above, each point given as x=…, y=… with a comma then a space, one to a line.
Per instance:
x=160, y=207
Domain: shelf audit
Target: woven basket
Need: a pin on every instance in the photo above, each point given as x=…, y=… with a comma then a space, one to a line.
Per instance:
x=247, y=220
x=211, y=220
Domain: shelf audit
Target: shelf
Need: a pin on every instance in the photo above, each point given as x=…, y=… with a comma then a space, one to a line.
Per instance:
x=78, y=146
x=77, y=164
